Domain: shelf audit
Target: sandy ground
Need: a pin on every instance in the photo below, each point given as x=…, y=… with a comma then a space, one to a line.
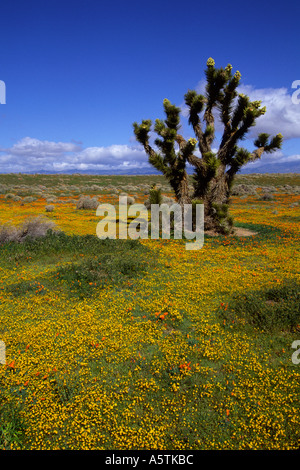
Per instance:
x=238, y=232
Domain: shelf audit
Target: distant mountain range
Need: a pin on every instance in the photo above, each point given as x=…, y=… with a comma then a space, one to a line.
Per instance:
x=292, y=167
x=289, y=167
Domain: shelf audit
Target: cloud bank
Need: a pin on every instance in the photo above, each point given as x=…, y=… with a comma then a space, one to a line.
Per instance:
x=34, y=155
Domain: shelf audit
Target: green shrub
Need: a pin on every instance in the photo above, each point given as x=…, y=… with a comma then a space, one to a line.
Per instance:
x=155, y=196
x=11, y=428
x=275, y=308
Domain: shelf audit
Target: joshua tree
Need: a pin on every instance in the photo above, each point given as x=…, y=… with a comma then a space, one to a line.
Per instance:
x=214, y=172
x=171, y=162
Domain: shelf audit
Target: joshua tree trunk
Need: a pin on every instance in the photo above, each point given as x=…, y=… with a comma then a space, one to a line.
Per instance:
x=182, y=191
x=216, y=202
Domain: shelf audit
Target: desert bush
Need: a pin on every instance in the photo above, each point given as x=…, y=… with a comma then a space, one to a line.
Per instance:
x=8, y=233
x=23, y=191
x=49, y=200
x=95, y=187
x=74, y=188
x=29, y=199
x=266, y=197
x=114, y=190
x=31, y=228
x=132, y=188
x=3, y=188
x=243, y=190
x=130, y=199
x=35, y=227
x=9, y=196
x=86, y=202
x=49, y=208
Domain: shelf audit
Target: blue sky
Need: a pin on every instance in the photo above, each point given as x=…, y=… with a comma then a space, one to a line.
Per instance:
x=78, y=73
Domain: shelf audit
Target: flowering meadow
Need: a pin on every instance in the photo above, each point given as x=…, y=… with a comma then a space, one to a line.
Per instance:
x=141, y=344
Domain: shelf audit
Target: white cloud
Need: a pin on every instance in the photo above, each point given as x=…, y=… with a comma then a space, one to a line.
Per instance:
x=111, y=154
x=282, y=116
x=31, y=154
x=40, y=148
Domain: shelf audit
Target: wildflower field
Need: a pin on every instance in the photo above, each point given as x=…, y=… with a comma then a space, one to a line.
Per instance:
x=141, y=344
